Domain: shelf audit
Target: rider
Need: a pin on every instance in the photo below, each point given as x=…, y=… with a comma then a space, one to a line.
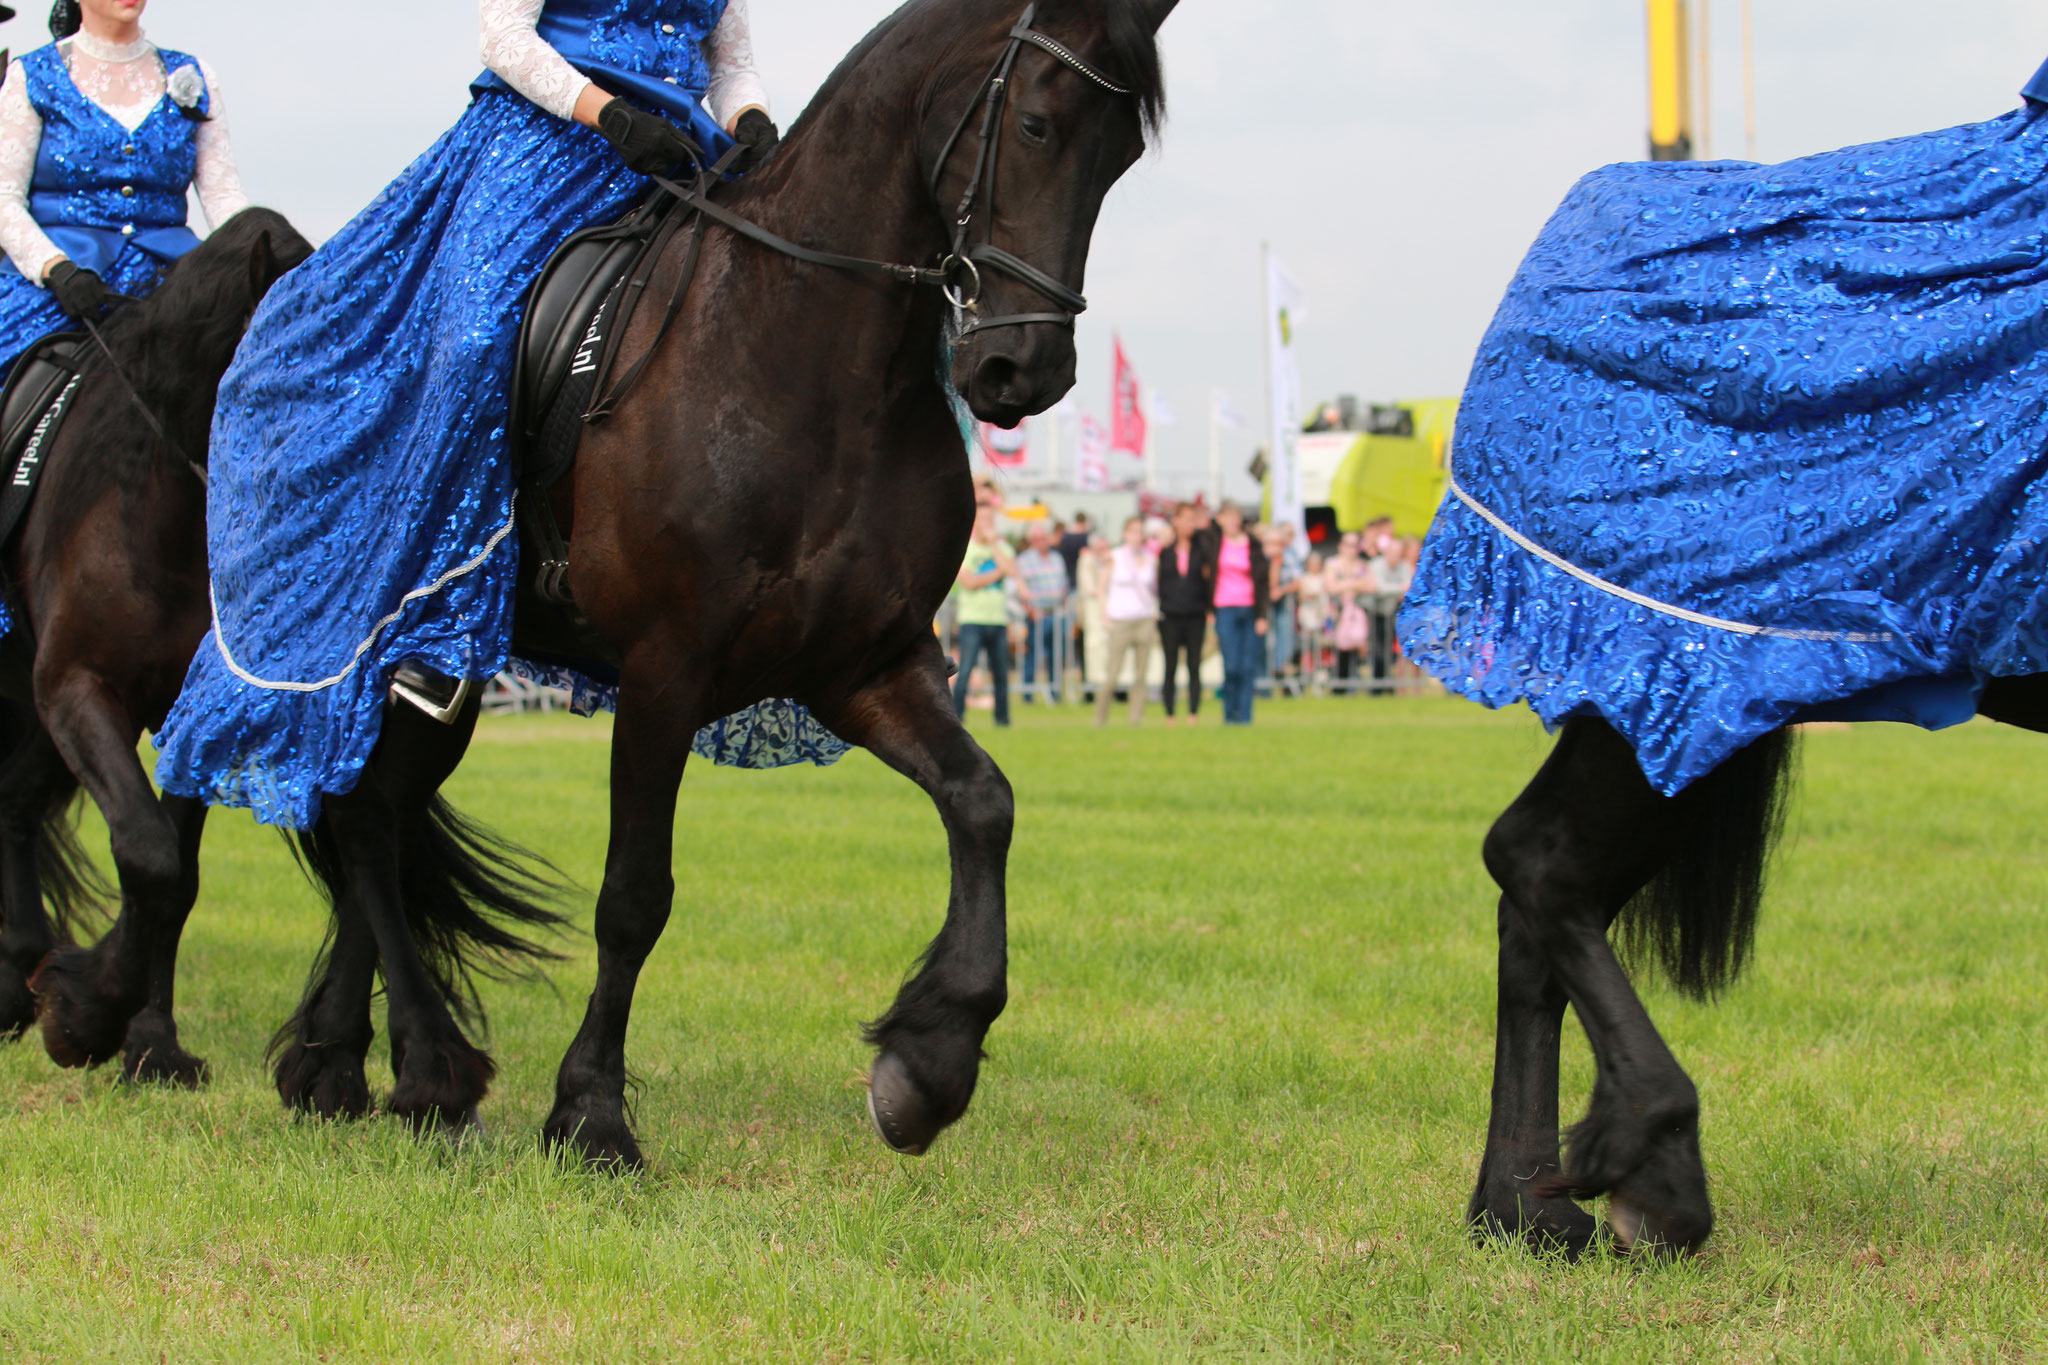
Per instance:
x=360, y=514
x=101, y=135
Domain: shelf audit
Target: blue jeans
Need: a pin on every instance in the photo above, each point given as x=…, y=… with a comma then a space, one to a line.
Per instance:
x=1041, y=651
x=1237, y=632
x=1281, y=636
x=974, y=642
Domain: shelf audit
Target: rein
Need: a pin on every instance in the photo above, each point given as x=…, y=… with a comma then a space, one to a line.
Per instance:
x=966, y=258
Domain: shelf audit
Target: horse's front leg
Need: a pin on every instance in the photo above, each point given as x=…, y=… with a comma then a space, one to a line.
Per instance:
x=650, y=745
x=928, y=1045
x=1522, y=1155
x=1587, y=834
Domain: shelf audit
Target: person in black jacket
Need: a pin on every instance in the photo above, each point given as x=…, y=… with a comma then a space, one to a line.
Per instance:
x=1187, y=589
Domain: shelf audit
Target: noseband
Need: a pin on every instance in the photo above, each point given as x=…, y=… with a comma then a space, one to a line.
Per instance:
x=959, y=275
x=994, y=99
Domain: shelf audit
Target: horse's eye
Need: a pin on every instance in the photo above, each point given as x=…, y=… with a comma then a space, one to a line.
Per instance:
x=1034, y=128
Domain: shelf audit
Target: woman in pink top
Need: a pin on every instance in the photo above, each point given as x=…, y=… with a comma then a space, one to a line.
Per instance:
x=1242, y=602
x=1130, y=601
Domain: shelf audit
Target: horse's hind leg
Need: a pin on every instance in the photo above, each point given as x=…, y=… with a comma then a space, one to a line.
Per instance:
x=441, y=1077
x=88, y=996
x=33, y=785
x=1587, y=834
x=322, y=1049
x=152, y=1052
x=929, y=1042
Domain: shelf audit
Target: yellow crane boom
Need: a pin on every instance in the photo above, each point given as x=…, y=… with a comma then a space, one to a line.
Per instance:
x=1671, y=101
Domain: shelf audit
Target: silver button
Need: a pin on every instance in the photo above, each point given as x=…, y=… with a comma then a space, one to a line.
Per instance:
x=668, y=28
x=128, y=150
x=671, y=80
x=127, y=229
x=128, y=190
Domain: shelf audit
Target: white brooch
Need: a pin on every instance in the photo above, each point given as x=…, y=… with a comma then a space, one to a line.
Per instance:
x=187, y=87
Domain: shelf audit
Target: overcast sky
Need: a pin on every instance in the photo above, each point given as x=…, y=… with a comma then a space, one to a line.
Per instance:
x=1399, y=157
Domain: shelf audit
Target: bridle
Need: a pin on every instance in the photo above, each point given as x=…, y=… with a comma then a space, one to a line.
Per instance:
x=959, y=274
x=994, y=97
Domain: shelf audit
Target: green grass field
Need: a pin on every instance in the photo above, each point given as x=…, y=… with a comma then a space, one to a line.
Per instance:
x=1233, y=1110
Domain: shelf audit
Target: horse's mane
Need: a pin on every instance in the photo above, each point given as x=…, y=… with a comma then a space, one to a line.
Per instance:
x=1133, y=45
x=205, y=300
x=173, y=346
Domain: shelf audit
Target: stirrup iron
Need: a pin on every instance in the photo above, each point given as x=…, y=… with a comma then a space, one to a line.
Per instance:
x=437, y=694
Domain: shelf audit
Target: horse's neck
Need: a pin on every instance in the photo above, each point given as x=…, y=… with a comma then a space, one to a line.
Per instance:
x=849, y=180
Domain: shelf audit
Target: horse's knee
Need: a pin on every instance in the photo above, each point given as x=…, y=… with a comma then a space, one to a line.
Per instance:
x=148, y=859
x=980, y=806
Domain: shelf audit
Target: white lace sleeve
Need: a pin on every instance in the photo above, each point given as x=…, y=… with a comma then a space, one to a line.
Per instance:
x=21, y=137
x=515, y=50
x=218, y=179
x=735, y=84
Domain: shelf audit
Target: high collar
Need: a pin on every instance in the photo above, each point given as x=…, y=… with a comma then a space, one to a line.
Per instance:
x=102, y=51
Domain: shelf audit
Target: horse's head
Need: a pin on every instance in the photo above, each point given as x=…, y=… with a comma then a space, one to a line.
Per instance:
x=1025, y=139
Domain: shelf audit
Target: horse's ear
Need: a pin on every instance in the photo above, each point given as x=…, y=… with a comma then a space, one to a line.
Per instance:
x=263, y=271
x=1155, y=12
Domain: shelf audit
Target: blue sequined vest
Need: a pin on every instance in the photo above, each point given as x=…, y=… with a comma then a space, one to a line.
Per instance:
x=99, y=187
x=651, y=51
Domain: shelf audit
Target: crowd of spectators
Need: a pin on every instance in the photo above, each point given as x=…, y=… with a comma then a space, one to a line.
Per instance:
x=1285, y=619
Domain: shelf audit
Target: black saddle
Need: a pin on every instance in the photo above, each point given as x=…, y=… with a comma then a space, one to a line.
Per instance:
x=561, y=382
x=574, y=312
x=32, y=406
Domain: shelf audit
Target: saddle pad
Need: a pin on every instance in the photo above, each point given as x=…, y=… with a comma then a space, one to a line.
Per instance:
x=38, y=394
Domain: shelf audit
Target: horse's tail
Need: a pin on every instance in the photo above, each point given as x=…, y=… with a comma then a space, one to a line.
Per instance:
x=75, y=892
x=469, y=895
x=1697, y=919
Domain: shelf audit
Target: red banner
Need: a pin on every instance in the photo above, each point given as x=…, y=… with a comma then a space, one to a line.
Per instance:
x=1127, y=414
x=1005, y=448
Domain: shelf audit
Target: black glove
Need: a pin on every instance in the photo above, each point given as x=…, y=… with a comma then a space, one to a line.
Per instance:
x=757, y=137
x=79, y=292
x=648, y=143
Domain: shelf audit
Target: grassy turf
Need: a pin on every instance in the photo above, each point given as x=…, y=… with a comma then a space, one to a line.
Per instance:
x=1233, y=1110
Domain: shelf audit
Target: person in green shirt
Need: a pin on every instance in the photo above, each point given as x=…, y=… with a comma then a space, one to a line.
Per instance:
x=982, y=613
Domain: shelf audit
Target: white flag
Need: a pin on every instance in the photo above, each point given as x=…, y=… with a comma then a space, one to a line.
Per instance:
x=1159, y=409
x=1093, y=472
x=1227, y=415
x=1283, y=306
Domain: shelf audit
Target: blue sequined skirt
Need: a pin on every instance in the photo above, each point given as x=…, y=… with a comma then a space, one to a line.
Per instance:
x=28, y=313
x=1747, y=445
x=361, y=502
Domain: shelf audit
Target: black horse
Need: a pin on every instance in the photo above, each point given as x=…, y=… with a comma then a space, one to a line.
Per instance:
x=777, y=510
x=110, y=579
x=1591, y=847
x=107, y=579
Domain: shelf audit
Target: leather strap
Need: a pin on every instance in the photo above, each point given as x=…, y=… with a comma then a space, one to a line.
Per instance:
x=904, y=274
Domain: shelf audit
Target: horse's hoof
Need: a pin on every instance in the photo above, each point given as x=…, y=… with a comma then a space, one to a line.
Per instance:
x=81, y=1027
x=324, y=1082
x=603, y=1146
x=17, y=1004
x=1624, y=1223
x=441, y=1084
x=172, y=1066
x=898, y=1109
